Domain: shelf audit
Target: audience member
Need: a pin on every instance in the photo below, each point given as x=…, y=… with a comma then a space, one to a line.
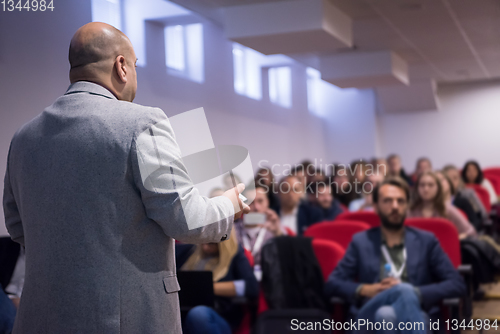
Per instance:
x=254, y=236
x=12, y=269
x=265, y=178
x=357, y=170
x=379, y=166
x=316, y=176
x=303, y=171
x=462, y=192
x=232, y=277
x=460, y=203
x=395, y=273
x=320, y=195
x=423, y=165
x=295, y=213
x=472, y=174
x=429, y=201
x=365, y=203
x=342, y=188
x=395, y=169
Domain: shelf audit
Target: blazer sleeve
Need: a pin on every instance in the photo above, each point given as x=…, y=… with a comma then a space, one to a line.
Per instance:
x=449, y=282
x=341, y=282
x=169, y=196
x=13, y=221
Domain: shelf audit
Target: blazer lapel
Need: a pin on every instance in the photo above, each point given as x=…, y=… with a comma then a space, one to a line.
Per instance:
x=412, y=245
x=374, y=255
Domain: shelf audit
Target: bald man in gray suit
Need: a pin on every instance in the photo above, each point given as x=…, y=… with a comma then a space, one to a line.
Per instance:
x=99, y=235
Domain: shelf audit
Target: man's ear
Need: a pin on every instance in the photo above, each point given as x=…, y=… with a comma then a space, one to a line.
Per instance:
x=120, y=68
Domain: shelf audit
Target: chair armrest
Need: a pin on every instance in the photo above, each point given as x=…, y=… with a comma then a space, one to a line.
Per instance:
x=451, y=302
x=239, y=300
x=465, y=269
x=337, y=300
x=454, y=310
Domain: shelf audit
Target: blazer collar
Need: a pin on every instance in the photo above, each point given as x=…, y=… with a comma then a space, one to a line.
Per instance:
x=413, y=251
x=89, y=87
x=412, y=245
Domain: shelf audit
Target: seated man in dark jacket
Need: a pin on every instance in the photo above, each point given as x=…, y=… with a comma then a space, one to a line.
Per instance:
x=320, y=195
x=398, y=274
x=295, y=213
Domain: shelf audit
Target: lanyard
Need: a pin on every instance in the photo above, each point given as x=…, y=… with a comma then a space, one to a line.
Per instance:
x=258, y=241
x=397, y=274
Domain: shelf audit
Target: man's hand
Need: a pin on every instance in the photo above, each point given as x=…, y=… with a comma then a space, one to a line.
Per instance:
x=273, y=223
x=233, y=195
x=389, y=282
x=371, y=290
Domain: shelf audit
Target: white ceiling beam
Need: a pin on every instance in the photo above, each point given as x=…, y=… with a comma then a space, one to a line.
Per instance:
x=364, y=69
x=289, y=26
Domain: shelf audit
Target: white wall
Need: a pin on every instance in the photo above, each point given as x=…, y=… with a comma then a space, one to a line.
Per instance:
x=467, y=126
x=34, y=72
x=351, y=123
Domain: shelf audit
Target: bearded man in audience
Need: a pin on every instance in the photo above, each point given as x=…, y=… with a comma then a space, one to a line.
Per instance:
x=394, y=273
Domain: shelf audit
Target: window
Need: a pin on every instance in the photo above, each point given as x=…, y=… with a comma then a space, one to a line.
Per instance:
x=107, y=11
x=313, y=90
x=247, y=71
x=280, y=86
x=184, y=51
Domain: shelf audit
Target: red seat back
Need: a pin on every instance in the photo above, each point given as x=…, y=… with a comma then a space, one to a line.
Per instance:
x=495, y=182
x=369, y=217
x=492, y=171
x=483, y=195
x=339, y=231
x=328, y=253
x=445, y=232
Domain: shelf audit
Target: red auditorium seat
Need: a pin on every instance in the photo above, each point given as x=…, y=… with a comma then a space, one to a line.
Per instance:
x=328, y=253
x=483, y=195
x=495, y=182
x=369, y=217
x=445, y=232
x=492, y=171
x=339, y=231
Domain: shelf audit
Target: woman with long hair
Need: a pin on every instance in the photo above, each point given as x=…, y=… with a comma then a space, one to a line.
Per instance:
x=429, y=200
x=450, y=196
x=232, y=277
x=473, y=174
x=462, y=193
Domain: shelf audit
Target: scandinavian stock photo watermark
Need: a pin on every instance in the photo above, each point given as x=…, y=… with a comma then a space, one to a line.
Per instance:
x=360, y=178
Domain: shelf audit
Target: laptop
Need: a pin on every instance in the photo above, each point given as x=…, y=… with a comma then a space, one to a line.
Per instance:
x=197, y=288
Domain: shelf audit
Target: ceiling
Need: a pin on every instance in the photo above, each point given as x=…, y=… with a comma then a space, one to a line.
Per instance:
x=443, y=40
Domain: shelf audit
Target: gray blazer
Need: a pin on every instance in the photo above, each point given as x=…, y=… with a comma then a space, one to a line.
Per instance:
x=99, y=247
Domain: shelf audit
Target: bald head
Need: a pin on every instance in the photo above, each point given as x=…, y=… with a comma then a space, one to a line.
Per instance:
x=102, y=54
